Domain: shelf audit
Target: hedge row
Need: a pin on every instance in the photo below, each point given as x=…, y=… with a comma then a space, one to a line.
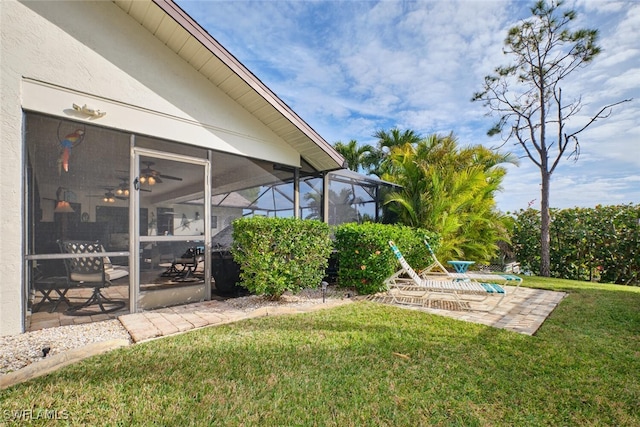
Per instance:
x=280, y=254
x=601, y=243
x=365, y=257
x=287, y=254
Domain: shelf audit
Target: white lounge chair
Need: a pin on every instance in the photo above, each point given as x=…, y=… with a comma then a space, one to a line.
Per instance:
x=407, y=285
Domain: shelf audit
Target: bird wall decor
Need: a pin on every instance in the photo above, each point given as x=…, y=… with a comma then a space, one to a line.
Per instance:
x=66, y=144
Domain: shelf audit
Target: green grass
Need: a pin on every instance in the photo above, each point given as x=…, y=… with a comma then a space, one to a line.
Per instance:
x=368, y=364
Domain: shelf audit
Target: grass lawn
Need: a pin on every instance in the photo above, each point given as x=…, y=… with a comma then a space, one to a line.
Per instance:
x=367, y=364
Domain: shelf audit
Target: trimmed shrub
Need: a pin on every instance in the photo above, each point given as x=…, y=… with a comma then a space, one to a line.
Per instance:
x=280, y=254
x=365, y=259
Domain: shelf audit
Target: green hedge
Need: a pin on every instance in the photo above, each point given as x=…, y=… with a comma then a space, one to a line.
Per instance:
x=600, y=243
x=280, y=254
x=365, y=259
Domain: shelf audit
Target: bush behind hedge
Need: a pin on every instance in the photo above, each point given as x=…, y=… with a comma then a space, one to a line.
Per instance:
x=280, y=254
x=365, y=259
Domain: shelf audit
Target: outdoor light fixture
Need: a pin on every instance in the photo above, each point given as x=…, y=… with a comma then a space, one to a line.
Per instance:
x=324, y=285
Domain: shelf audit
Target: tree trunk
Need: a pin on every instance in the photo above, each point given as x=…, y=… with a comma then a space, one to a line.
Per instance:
x=545, y=225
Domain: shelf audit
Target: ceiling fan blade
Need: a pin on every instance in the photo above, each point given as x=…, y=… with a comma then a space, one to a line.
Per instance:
x=175, y=178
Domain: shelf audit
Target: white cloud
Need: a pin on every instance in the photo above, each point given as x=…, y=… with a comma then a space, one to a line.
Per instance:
x=351, y=67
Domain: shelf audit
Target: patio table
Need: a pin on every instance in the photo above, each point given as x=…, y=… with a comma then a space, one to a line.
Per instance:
x=48, y=287
x=461, y=266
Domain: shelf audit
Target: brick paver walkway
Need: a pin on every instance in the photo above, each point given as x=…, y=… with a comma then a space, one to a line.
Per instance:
x=523, y=311
x=168, y=321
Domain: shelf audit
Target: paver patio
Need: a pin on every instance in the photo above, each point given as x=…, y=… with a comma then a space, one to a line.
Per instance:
x=523, y=311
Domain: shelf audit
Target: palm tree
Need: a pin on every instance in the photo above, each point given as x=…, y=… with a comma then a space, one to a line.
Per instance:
x=342, y=206
x=387, y=141
x=395, y=138
x=356, y=156
x=449, y=190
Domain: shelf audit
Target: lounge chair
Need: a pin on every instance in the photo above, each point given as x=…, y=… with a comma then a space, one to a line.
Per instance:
x=184, y=267
x=436, y=269
x=113, y=272
x=408, y=285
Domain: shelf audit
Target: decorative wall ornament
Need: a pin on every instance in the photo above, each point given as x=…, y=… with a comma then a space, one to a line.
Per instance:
x=89, y=111
x=68, y=142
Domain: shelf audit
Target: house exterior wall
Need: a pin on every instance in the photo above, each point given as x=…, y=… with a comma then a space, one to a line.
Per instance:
x=54, y=54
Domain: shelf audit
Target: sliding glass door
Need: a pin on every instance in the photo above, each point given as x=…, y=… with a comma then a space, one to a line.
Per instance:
x=172, y=227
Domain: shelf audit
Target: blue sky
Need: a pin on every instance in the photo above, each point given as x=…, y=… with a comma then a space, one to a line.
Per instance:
x=349, y=68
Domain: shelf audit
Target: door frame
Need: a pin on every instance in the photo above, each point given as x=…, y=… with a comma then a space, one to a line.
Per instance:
x=134, y=222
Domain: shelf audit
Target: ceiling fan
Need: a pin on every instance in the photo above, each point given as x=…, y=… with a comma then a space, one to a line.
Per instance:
x=123, y=188
x=151, y=176
x=109, y=196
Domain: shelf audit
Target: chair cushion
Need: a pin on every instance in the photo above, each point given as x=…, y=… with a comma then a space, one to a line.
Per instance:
x=116, y=272
x=92, y=278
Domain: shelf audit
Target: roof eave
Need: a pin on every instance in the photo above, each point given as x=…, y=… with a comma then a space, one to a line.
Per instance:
x=211, y=44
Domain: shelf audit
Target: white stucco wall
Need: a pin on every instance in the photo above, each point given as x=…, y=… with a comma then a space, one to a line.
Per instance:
x=53, y=54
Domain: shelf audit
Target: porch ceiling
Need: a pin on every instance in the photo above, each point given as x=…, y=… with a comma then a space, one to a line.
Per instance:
x=178, y=31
